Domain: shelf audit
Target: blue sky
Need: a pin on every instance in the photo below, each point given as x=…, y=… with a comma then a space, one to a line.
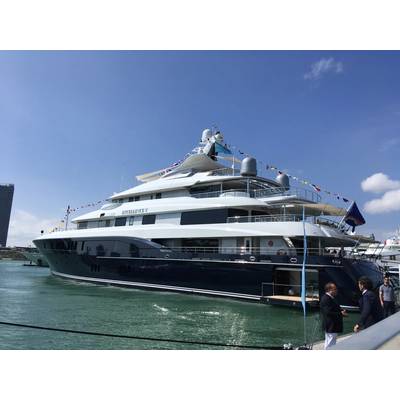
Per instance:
x=77, y=126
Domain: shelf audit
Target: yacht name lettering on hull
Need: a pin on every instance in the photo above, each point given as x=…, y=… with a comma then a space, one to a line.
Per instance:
x=135, y=211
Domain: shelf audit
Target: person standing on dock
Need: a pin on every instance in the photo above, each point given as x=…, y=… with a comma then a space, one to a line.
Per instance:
x=387, y=297
x=370, y=308
x=332, y=315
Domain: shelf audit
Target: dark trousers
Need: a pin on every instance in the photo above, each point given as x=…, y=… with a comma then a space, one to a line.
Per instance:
x=388, y=308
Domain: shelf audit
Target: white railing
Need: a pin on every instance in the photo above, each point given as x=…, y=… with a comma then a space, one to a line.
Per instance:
x=294, y=191
x=253, y=250
x=300, y=193
x=284, y=218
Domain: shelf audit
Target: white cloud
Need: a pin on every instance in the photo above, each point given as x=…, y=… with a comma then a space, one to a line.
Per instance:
x=390, y=201
x=24, y=227
x=324, y=66
x=379, y=183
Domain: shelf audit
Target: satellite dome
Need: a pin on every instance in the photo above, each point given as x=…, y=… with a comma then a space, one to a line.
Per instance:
x=249, y=167
x=207, y=133
x=283, y=180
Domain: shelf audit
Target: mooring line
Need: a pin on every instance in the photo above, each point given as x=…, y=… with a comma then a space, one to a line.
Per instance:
x=152, y=339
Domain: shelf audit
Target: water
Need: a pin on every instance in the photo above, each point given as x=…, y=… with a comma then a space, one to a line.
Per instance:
x=30, y=295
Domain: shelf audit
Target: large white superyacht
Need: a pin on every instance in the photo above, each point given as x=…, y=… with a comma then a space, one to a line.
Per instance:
x=386, y=254
x=202, y=226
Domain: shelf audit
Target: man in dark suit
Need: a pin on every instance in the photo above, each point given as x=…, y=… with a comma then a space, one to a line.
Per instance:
x=370, y=308
x=332, y=315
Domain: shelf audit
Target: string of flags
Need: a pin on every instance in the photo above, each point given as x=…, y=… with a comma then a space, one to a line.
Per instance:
x=306, y=182
x=317, y=188
x=71, y=210
x=176, y=163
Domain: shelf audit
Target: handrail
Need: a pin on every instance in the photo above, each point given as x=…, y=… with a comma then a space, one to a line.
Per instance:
x=283, y=218
x=262, y=193
x=253, y=250
x=293, y=191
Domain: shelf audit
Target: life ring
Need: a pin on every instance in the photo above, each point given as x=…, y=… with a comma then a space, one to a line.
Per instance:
x=166, y=256
x=293, y=260
x=252, y=258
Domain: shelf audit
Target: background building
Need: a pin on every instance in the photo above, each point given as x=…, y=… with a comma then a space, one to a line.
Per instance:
x=6, y=198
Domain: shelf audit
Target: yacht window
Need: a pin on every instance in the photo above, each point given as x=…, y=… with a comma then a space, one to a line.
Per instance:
x=131, y=220
x=136, y=198
x=130, y=199
x=105, y=223
x=217, y=216
x=82, y=225
x=158, y=195
x=210, y=244
x=237, y=212
x=149, y=219
x=120, y=221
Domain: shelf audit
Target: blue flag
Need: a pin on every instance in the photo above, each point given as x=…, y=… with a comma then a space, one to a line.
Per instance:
x=354, y=217
x=221, y=149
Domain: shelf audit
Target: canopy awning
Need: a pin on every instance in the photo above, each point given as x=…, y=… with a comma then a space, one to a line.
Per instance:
x=315, y=209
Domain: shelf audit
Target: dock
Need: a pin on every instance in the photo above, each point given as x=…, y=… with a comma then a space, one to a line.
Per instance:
x=289, y=301
x=384, y=335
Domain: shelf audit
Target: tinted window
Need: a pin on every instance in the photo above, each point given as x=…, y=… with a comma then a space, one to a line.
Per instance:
x=208, y=242
x=82, y=225
x=99, y=248
x=123, y=249
x=236, y=212
x=204, y=217
x=148, y=219
x=120, y=221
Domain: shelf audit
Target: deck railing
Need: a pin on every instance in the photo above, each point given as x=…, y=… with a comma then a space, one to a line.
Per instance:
x=300, y=193
x=255, y=251
x=284, y=218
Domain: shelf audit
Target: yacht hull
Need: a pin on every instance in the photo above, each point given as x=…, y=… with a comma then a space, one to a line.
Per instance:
x=247, y=277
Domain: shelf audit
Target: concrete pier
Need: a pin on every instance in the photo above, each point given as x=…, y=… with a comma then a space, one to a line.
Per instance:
x=385, y=335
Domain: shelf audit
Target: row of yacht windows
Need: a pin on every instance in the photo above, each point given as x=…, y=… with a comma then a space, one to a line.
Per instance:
x=216, y=216
x=138, y=198
x=246, y=185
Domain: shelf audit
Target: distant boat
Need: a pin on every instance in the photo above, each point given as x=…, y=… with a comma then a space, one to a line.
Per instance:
x=33, y=255
x=386, y=254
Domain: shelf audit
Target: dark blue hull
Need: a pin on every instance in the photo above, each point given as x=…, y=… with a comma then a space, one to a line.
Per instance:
x=245, y=277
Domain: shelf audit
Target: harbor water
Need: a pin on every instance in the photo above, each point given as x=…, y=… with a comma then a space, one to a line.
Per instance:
x=31, y=295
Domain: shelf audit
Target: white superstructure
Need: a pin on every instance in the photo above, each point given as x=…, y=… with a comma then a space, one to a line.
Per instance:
x=203, y=203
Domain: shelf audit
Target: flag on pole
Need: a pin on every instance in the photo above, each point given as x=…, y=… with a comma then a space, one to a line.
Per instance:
x=303, y=270
x=219, y=148
x=354, y=217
